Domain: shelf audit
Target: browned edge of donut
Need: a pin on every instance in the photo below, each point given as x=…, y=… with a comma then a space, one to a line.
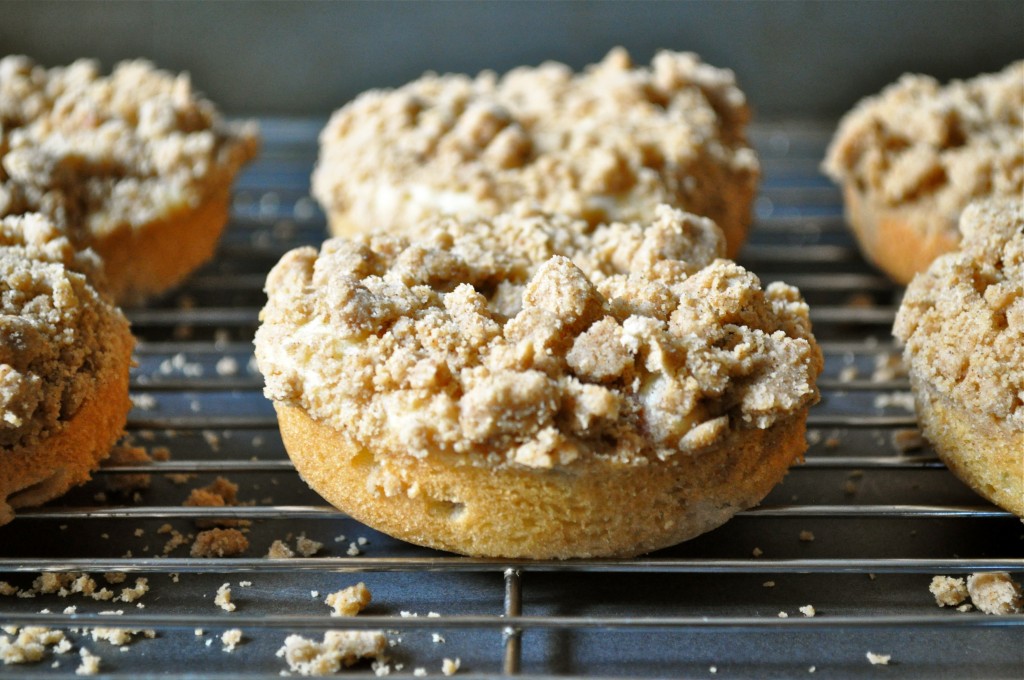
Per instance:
x=32, y=475
x=900, y=241
x=986, y=454
x=586, y=509
x=140, y=262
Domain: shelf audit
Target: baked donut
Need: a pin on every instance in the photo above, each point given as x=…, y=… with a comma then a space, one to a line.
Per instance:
x=608, y=144
x=962, y=322
x=64, y=357
x=911, y=158
x=526, y=386
x=134, y=165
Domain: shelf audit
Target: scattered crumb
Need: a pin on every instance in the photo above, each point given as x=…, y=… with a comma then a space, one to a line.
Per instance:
x=279, y=550
x=307, y=547
x=713, y=670
x=783, y=615
x=948, y=591
x=806, y=536
x=227, y=366
x=90, y=663
x=353, y=550
x=903, y=400
x=811, y=669
x=832, y=443
x=223, y=599
x=199, y=632
x=879, y=659
x=230, y=639
x=339, y=648
x=245, y=584
x=768, y=584
x=419, y=672
x=907, y=439
x=757, y=552
x=848, y=374
x=30, y=644
x=314, y=594
x=437, y=638
x=808, y=610
x=995, y=593
x=350, y=601
x=123, y=456
x=219, y=543
x=450, y=666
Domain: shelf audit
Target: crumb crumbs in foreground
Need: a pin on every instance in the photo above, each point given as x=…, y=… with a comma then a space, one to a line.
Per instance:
x=230, y=639
x=948, y=591
x=219, y=543
x=450, y=666
x=879, y=659
x=808, y=610
x=350, y=601
x=223, y=599
x=339, y=648
x=90, y=663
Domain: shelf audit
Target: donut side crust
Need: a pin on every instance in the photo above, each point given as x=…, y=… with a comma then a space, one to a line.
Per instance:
x=985, y=453
x=37, y=473
x=592, y=508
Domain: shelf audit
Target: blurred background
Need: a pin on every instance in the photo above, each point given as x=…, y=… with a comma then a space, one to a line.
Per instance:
x=793, y=59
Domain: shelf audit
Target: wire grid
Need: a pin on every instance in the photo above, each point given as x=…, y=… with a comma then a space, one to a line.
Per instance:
x=857, y=531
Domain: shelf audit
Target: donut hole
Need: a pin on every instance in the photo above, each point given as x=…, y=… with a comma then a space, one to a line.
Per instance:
x=41, y=491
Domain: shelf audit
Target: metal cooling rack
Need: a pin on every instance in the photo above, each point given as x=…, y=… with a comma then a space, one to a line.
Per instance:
x=884, y=519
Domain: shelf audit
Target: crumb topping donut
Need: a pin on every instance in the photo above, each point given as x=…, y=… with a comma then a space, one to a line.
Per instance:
x=135, y=165
x=608, y=144
x=911, y=158
x=535, y=347
x=962, y=323
x=64, y=357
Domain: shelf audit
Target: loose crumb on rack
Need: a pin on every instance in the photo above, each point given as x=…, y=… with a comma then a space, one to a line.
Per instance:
x=419, y=672
x=783, y=615
x=307, y=547
x=30, y=643
x=90, y=663
x=995, y=593
x=948, y=591
x=350, y=601
x=223, y=599
x=219, y=543
x=808, y=610
x=231, y=639
x=879, y=659
x=807, y=536
x=339, y=648
x=757, y=552
x=279, y=550
x=437, y=638
x=450, y=666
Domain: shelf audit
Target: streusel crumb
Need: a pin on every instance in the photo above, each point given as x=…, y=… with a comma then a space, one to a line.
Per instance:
x=963, y=319
x=533, y=340
x=219, y=543
x=607, y=144
x=349, y=601
x=995, y=593
x=340, y=648
x=948, y=591
x=918, y=141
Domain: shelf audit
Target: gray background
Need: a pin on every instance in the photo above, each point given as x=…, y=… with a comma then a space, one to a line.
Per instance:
x=794, y=59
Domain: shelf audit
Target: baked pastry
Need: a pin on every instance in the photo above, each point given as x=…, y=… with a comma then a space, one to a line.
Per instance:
x=64, y=357
x=608, y=144
x=134, y=165
x=963, y=325
x=911, y=158
x=525, y=386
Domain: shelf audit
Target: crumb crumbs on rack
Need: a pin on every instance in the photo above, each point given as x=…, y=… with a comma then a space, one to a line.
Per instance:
x=219, y=543
x=806, y=536
x=808, y=611
x=450, y=666
x=90, y=663
x=231, y=639
x=879, y=659
x=223, y=598
x=992, y=593
x=339, y=648
x=349, y=601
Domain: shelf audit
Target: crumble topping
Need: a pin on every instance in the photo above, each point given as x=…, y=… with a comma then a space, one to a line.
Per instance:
x=607, y=144
x=532, y=339
x=97, y=153
x=919, y=142
x=57, y=334
x=963, y=319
